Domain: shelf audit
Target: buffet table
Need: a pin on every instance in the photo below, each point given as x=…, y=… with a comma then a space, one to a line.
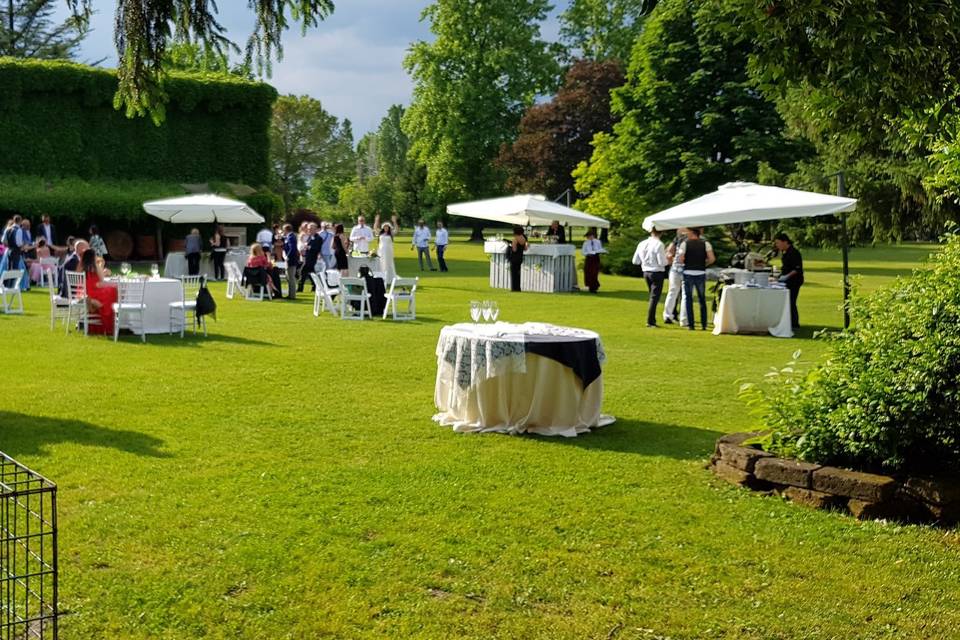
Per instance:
x=527, y=378
x=746, y=309
x=176, y=264
x=546, y=268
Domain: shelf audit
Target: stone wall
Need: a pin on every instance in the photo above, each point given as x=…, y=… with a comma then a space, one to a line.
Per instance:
x=864, y=495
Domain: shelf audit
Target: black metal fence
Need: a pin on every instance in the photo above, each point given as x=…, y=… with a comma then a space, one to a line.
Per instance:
x=28, y=553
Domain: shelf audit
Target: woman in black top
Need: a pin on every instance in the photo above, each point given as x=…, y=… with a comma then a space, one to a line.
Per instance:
x=792, y=275
x=517, y=247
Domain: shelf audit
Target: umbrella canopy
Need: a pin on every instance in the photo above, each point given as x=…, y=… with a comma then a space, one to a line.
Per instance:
x=747, y=202
x=525, y=210
x=202, y=208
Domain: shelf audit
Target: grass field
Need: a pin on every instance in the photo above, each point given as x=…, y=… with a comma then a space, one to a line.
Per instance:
x=283, y=479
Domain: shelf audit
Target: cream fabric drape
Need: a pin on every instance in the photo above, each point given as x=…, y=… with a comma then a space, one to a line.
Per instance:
x=754, y=310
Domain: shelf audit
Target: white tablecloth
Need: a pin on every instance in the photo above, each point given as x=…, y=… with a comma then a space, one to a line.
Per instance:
x=355, y=262
x=176, y=264
x=754, y=310
x=157, y=296
x=486, y=381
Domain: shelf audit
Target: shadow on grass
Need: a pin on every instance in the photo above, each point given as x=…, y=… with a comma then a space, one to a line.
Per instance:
x=22, y=434
x=191, y=340
x=644, y=438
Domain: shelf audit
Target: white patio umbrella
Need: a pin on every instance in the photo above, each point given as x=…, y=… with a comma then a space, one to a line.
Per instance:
x=737, y=202
x=199, y=209
x=525, y=210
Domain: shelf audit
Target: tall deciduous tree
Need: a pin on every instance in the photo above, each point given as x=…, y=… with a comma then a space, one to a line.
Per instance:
x=28, y=30
x=556, y=136
x=602, y=29
x=303, y=136
x=473, y=82
x=690, y=119
x=144, y=29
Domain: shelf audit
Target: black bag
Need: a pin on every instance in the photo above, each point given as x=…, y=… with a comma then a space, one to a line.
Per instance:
x=206, y=305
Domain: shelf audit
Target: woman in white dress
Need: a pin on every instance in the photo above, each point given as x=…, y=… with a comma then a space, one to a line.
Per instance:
x=385, y=251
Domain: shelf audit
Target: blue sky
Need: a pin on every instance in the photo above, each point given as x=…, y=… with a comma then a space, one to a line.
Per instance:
x=352, y=62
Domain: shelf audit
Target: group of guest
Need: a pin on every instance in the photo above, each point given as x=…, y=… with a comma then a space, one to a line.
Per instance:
x=22, y=248
x=684, y=265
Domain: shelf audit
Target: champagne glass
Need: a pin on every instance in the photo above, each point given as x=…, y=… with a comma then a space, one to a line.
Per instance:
x=124, y=269
x=494, y=310
x=475, y=311
x=485, y=310
x=155, y=270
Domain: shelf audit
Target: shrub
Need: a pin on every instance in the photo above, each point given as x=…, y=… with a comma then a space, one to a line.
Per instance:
x=886, y=397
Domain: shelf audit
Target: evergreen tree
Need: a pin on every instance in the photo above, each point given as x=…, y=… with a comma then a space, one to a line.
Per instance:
x=28, y=30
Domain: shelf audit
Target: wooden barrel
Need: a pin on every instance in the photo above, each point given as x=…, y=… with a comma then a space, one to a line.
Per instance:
x=147, y=246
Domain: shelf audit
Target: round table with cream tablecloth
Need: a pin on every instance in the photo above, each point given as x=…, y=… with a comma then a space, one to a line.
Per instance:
x=745, y=309
x=528, y=378
x=158, y=293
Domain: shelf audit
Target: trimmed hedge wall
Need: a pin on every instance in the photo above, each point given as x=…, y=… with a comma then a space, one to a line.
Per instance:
x=57, y=119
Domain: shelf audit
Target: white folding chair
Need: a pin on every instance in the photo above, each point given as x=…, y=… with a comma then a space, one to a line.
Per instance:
x=323, y=295
x=234, y=280
x=77, y=294
x=282, y=268
x=402, y=290
x=189, y=288
x=59, y=306
x=129, y=309
x=48, y=271
x=10, y=290
x=354, y=290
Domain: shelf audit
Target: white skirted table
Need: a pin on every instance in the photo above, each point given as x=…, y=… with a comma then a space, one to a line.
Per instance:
x=176, y=263
x=355, y=262
x=527, y=378
x=547, y=268
x=158, y=293
x=746, y=309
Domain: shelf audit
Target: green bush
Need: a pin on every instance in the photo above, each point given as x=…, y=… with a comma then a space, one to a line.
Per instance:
x=59, y=120
x=886, y=398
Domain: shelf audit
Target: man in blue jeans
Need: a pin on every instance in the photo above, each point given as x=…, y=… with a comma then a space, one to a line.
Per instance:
x=695, y=255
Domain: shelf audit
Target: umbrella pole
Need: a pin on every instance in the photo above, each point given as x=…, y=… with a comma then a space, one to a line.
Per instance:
x=160, y=241
x=842, y=192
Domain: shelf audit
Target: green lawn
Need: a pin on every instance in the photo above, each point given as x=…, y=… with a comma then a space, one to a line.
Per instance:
x=283, y=479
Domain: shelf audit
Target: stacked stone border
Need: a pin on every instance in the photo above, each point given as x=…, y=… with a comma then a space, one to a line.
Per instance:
x=864, y=495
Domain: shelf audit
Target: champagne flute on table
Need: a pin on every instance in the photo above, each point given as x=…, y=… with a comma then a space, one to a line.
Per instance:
x=494, y=310
x=475, y=311
x=155, y=270
x=124, y=269
x=485, y=310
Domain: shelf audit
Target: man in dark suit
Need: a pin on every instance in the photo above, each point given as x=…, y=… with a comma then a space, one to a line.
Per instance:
x=71, y=263
x=310, y=256
x=47, y=232
x=292, y=256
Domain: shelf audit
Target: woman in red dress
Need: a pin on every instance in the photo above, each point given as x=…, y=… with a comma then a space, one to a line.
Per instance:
x=101, y=295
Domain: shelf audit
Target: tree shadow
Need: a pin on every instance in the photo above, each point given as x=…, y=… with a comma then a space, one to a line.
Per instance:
x=22, y=434
x=643, y=438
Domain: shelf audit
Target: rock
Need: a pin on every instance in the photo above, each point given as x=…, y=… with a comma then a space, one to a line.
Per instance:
x=811, y=498
x=944, y=514
x=732, y=475
x=940, y=491
x=789, y=472
x=736, y=439
x=744, y=458
x=866, y=487
x=890, y=510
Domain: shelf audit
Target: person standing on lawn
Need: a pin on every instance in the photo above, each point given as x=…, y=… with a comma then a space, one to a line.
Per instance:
x=192, y=246
x=310, y=257
x=695, y=255
x=792, y=273
x=442, y=240
x=652, y=258
x=421, y=240
x=591, y=250
x=291, y=254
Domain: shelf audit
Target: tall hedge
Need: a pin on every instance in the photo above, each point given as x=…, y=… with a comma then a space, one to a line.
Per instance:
x=57, y=119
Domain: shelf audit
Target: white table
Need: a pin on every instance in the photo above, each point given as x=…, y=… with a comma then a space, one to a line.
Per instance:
x=547, y=268
x=488, y=379
x=355, y=262
x=754, y=310
x=176, y=264
x=157, y=295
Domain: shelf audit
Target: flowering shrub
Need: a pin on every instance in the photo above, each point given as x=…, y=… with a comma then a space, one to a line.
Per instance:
x=886, y=398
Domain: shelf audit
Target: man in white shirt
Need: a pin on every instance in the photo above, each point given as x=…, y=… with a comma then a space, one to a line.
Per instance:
x=361, y=236
x=443, y=239
x=421, y=240
x=652, y=258
x=265, y=239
